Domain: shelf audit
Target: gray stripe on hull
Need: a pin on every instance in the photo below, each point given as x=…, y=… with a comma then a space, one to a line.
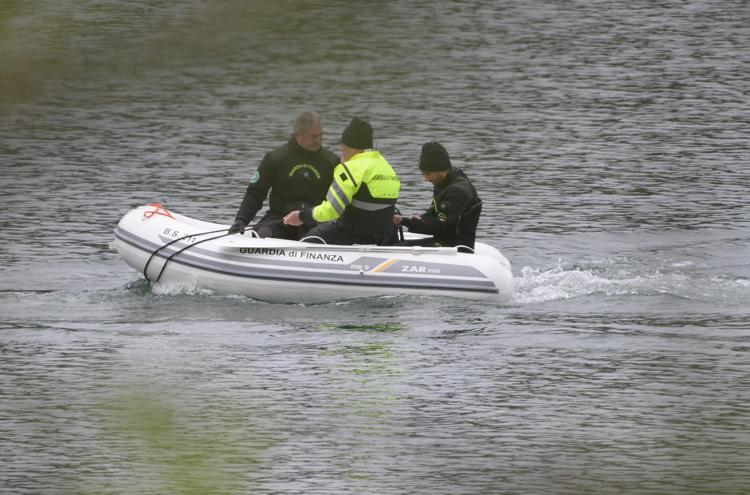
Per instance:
x=303, y=275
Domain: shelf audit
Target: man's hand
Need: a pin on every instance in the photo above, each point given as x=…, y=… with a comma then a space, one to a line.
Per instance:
x=399, y=219
x=238, y=226
x=292, y=218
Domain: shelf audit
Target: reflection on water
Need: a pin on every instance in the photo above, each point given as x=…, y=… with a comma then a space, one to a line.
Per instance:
x=607, y=140
x=171, y=393
x=373, y=327
x=161, y=441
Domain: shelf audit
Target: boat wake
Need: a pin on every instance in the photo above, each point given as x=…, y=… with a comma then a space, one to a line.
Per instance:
x=681, y=280
x=540, y=285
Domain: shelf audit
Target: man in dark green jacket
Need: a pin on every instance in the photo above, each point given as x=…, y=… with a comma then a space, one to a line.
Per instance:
x=453, y=216
x=297, y=173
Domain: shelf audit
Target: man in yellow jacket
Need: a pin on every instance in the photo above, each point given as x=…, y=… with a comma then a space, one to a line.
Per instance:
x=361, y=201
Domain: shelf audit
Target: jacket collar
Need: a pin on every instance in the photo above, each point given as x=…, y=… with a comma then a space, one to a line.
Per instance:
x=452, y=174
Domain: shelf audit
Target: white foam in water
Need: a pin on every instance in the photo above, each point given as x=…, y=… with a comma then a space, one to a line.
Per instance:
x=172, y=289
x=539, y=285
x=682, y=264
x=566, y=281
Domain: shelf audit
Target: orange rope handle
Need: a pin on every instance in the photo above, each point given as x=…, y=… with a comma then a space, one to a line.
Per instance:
x=159, y=209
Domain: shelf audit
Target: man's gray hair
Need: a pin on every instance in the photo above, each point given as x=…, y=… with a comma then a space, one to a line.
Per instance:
x=305, y=121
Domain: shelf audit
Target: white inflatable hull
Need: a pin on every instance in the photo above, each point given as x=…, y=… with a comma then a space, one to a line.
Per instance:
x=173, y=249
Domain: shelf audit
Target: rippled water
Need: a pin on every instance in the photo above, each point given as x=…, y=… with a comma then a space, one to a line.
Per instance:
x=609, y=144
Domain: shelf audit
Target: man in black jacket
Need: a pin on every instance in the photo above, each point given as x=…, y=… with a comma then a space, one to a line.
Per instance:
x=453, y=216
x=298, y=175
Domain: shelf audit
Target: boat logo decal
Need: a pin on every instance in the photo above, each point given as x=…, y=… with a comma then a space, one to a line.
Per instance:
x=158, y=210
x=385, y=265
x=307, y=171
x=418, y=269
x=268, y=251
x=291, y=253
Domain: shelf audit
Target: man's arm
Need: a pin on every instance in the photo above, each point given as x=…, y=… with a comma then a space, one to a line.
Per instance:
x=340, y=194
x=440, y=217
x=256, y=192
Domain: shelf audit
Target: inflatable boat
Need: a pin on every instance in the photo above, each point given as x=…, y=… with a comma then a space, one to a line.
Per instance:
x=169, y=248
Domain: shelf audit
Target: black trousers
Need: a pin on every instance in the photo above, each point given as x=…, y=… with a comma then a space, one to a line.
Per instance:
x=333, y=233
x=272, y=225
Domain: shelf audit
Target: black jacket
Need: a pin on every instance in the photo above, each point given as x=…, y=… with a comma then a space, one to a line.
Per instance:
x=453, y=216
x=296, y=177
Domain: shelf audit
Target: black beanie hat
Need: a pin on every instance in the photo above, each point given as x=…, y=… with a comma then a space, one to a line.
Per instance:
x=434, y=158
x=358, y=134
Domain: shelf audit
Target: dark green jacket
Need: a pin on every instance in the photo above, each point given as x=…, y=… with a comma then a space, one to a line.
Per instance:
x=453, y=216
x=295, y=177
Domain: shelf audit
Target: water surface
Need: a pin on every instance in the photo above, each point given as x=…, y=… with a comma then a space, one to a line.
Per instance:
x=609, y=144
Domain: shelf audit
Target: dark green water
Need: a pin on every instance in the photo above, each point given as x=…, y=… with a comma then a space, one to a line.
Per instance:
x=609, y=144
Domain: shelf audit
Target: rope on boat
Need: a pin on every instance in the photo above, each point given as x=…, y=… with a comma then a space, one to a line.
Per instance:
x=310, y=237
x=251, y=230
x=186, y=247
x=145, y=268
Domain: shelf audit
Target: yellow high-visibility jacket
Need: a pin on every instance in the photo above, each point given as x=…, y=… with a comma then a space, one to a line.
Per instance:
x=362, y=195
